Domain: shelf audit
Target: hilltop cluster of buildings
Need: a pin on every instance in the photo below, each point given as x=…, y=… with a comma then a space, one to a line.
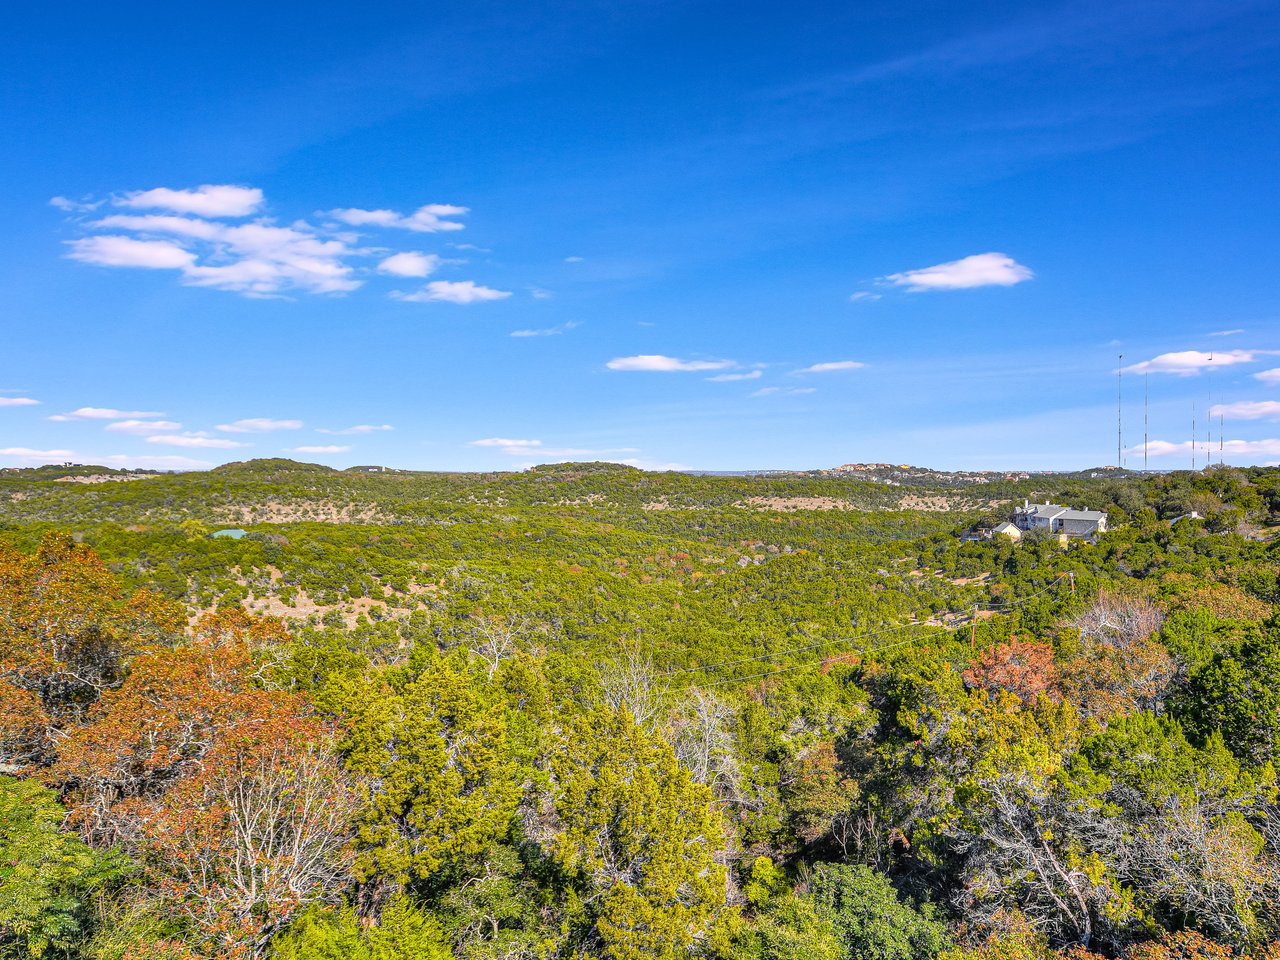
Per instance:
x=894, y=473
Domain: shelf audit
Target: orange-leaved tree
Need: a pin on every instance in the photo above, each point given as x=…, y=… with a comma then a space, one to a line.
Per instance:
x=68, y=627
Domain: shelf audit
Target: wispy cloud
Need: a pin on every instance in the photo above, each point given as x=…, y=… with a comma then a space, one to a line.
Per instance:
x=323, y=448
x=426, y=219
x=143, y=427
x=504, y=442
x=118, y=251
x=18, y=402
x=833, y=366
x=452, y=291
x=731, y=377
x=1269, y=377
x=67, y=205
x=151, y=462
x=1226, y=333
x=106, y=413
x=1189, y=363
x=259, y=425
x=783, y=391
x=29, y=455
x=359, y=428
x=863, y=295
x=979, y=270
x=525, y=447
x=410, y=264
x=195, y=440
x=1247, y=410
x=188, y=231
x=1234, y=448
x=210, y=200
x=256, y=259
x=657, y=363
x=573, y=259
x=548, y=331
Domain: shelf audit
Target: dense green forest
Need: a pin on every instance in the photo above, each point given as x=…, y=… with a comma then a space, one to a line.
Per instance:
x=275, y=710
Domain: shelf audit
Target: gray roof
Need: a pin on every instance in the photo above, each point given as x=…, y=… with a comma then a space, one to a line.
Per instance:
x=1053, y=511
x=1090, y=515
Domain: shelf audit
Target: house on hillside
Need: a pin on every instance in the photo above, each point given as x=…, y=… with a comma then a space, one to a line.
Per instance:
x=1007, y=529
x=1059, y=520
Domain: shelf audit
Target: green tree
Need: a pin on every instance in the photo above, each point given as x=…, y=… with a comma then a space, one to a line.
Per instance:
x=46, y=876
x=404, y=932
x=638, y=839
x=1238, y=693
x=430, y=746
x=869, y=918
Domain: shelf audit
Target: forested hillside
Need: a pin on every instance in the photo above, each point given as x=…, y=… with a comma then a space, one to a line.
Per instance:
x=278, y=710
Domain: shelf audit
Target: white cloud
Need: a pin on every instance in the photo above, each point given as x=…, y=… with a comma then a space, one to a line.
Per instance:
x=358, y=428
x=259, y=425
x=143, y=427
x=525, y=448
x=426, y=219
x=781, y=392
x=1235, y=448
x=979, y=270
x=1247, y=410
x=256, y=259
x=730, y=377
x=68, y=205
x=147, y=462
x=1226, y=333
x=195, y=440
x=410, y=264
x=155, y=223
x=548, y=331
x=573, y=259
x=650, y=465
x=35, y=456
x=451, y=291
x=1189, y=363
x=863, y=295
x=117, y=251
x=106, y=413
x=504, y=442
x=833, y=366
x=656, y=362
x=1269, y=377
x=210, y=200
x=540, y=294
x=330, y=448
x=150, y=462
x=18, y=402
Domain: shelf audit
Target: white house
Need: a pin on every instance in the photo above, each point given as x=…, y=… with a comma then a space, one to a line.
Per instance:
x=1060, y=520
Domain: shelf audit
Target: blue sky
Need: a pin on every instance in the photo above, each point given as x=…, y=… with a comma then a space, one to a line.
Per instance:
x=710, y=235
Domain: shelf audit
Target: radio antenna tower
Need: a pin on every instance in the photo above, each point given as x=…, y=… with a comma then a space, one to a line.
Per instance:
x=1119, y=415
x=1193, y=436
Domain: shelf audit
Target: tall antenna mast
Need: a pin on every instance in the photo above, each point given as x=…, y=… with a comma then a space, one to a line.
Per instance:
x=1208, y=417
x=1119, y=419
x=1193, y=436
x=1145, y=423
